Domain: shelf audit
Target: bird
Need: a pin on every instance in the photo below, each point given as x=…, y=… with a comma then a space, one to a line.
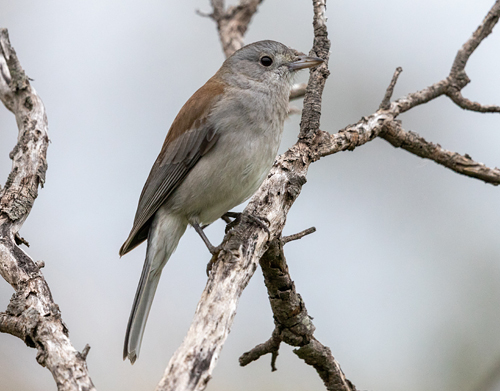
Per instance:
x=217, y=152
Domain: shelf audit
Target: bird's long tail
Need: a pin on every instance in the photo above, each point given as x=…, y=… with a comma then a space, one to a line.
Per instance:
x=164, y=234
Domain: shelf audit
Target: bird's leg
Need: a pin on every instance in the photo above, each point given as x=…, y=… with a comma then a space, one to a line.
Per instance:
x=214, y=250
x=227, y=218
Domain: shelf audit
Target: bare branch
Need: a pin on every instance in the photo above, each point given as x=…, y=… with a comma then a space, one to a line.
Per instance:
x=272, y=346
x=28, y=170
x=451, y=86
x=484, y=29
x=320, y=357
x=414, y=99
x=85, y=352
x=311, y=114
x=298, y=235
x=32, y=314
x=191, y=366
x=457, y=79
x=386, y=102
x=293, y=325
x=466, y=104
x=232, y=23
x=462, y=164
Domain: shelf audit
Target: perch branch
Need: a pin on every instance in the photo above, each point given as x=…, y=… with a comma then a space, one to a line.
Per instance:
x=192, y=364
x=31, y=314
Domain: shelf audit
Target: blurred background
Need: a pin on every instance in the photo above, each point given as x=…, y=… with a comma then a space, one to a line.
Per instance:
x=403, y=275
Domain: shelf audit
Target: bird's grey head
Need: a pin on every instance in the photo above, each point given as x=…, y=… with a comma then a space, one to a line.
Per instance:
x=266, y=61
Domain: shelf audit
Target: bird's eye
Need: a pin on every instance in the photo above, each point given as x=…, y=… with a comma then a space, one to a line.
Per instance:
x=266, y=61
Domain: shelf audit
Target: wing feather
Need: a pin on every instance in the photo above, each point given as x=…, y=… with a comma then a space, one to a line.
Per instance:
x=181, y=151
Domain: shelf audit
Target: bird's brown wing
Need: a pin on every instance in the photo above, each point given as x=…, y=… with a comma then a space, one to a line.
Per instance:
x=189, y=138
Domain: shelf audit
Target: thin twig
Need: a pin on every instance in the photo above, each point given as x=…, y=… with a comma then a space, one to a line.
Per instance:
x=85, y=351
x=386, y=102
x=298, y=235
x=462, y=164
x=272, y=346
x=466, y=104
x=457, y=79
x=484, y=29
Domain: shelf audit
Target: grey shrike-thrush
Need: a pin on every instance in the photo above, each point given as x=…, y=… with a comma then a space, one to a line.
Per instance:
x=217, y=153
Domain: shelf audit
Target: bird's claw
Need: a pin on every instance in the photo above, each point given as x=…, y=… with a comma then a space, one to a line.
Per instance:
x=215, y=251
x=259, y=221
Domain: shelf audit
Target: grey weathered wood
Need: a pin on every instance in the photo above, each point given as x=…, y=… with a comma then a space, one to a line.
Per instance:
x=31, y=314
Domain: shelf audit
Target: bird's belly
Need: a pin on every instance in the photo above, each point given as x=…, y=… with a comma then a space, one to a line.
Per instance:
x=226, y=176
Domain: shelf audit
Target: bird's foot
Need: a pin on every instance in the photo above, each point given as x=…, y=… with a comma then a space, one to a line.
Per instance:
x=231, y=223
x=212, y=261
x=259, y=221
x=214, y=250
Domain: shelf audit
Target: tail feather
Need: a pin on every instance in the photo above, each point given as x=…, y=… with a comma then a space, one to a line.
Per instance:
x=164, y=235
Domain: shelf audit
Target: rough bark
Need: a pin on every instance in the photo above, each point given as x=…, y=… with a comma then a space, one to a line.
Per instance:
x=292, y=323
x=31, y=314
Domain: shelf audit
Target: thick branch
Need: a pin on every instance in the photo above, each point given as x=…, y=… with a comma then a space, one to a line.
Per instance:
x=191, y=366
x=292, y=323
x=28, y=169
x=32, y=314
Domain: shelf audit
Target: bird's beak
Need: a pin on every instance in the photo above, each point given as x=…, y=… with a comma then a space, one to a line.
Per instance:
x=304, y=62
